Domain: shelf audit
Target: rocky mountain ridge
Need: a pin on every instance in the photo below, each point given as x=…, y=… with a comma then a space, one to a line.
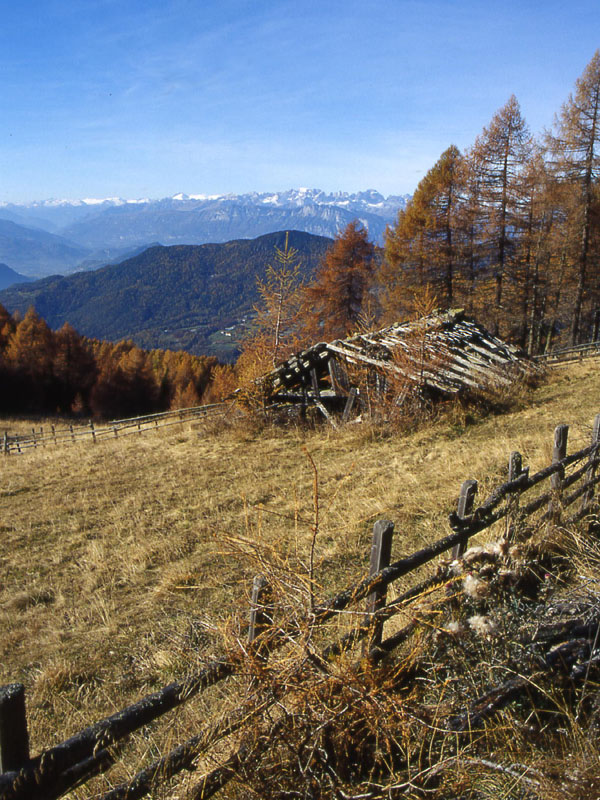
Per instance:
x=107, y=228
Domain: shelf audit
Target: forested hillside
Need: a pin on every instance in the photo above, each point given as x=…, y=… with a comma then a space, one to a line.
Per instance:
x=46, y=372
x=168, y=297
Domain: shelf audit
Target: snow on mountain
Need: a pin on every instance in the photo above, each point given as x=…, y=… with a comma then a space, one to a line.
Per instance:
x=115, y=222
x=369, y=199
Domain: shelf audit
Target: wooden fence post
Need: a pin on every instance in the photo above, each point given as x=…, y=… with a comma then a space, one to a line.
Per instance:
x=466, y=501
x=5, y=445
x=515, y=470
x=54, y=433
x=515, y=465
x=34, y=439
x=139, y=427
x=14, y=740
x=18, y=443
x=72, y=433
x=93, y=430
x=260, y=612
x=381, y=552
x=561, y=434
x=115, y=432
x=588, y=497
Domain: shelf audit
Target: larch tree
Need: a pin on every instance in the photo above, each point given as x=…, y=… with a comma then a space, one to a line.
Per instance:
x=498, y=158
x=275, y=331
x=574, y=152
x=335, y=301
x=30, y=354
x=277, y=312
x=534, y=277
x=422, y=249
x=74, y=369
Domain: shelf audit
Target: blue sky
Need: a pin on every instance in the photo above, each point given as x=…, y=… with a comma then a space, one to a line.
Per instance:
x=140, y=98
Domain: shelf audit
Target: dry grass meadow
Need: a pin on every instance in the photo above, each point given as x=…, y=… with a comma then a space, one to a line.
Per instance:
x=125, y=564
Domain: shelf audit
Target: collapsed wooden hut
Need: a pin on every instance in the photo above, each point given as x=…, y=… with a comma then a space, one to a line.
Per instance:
x=435, y=356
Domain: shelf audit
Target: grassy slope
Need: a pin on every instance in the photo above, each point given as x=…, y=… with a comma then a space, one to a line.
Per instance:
x=118, y=560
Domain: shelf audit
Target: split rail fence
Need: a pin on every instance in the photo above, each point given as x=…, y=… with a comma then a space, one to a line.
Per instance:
x=563, y=491
x=94, y=432
x=566, y=355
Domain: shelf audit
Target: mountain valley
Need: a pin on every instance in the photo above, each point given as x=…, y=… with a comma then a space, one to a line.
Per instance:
x=178, y=297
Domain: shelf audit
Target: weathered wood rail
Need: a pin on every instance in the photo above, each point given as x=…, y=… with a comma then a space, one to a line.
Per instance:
x=566, y=355
x=94, y=432
x=571, y=495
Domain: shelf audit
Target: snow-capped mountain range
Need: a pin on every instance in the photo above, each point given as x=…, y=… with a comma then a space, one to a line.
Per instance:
x=93, y=231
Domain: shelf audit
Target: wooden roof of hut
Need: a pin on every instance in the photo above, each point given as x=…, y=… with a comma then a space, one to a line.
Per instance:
x=443, y=353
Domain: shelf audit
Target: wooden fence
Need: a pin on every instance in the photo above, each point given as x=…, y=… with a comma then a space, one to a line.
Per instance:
x=563, y=492
x=94, y=432
x=566, y=355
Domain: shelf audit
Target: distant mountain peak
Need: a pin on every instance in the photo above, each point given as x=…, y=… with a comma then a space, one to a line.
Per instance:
x=106, y=227
x=286, y=195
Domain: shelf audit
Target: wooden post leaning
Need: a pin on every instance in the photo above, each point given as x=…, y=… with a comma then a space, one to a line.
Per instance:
x=381, y=553
x=588, y=497
x=466, y=501
x=5, y=445
x=93, y=430
x=14, y=739
x=561, y=435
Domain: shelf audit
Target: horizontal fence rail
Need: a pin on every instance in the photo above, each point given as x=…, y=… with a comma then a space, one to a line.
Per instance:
x=568, y=354
x=571, y=494
x=93, y=432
